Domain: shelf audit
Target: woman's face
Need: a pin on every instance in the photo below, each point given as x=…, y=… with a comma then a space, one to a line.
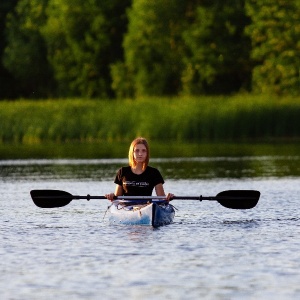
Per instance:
x=140, y=153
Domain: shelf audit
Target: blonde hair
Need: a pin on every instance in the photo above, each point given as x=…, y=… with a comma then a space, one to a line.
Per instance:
x=139, y=140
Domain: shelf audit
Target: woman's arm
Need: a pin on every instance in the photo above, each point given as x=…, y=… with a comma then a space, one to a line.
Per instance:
x=159, y=189
x=118, y=192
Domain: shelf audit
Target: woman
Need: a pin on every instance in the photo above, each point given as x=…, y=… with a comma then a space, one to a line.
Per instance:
x=138, y=179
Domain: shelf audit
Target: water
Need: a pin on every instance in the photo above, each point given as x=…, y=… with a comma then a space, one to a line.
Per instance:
x=210, y=252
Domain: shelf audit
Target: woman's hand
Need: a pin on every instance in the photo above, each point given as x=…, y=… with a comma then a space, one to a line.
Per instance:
x=110, y=196
x=170, y=196
x=159, y=189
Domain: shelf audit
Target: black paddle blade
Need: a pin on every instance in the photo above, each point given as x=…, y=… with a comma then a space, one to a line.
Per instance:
x=50, y=198
x=239, y=199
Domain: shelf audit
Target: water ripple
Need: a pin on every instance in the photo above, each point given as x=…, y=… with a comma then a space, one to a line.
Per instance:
x=209, y=252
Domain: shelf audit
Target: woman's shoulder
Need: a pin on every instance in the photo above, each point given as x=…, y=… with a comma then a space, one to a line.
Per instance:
x=152, y=169
x=124, y=169
x=155, y=175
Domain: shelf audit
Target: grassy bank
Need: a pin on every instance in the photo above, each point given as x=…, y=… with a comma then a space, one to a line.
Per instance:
x=242, y=118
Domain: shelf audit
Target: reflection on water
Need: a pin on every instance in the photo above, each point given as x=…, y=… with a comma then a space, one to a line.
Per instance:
x=172, y=168
x=231, y=167
x=59, y=169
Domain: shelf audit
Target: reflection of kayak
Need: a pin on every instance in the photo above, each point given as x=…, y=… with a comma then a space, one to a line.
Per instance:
x=155, y=213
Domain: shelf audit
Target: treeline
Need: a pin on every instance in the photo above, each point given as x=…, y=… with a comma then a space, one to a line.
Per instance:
x=136, y=48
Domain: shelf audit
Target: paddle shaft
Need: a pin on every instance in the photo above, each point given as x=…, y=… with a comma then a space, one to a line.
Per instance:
x=138, y=198
x=236, y=199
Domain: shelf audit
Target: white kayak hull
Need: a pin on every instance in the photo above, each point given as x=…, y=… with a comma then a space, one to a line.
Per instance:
x=151, y=214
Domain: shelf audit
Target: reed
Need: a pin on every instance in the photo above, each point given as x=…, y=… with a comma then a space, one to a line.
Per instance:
x=197, y=119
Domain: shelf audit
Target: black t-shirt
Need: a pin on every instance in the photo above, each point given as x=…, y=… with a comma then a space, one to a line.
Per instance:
x=138, y=185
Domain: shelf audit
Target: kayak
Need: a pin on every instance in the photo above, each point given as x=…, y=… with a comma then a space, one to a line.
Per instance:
x=154, y=213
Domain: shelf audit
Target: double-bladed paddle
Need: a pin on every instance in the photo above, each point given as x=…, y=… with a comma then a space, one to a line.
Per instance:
x=236, y=199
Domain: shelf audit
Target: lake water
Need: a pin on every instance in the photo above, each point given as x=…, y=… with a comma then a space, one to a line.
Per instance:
x=210, y=252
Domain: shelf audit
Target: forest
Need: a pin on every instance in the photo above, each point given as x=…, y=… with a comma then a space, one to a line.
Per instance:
x=140, y=48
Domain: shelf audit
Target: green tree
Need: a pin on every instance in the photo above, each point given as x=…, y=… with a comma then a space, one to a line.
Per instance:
x=7, y=84
x=217, y=57
x=153, y=49
x=275, y=35
x=84, y=37
x=25, y=55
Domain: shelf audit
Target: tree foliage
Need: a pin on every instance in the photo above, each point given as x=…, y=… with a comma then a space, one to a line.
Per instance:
x=218, y=50
x=275, y=35
x=84, y=38
x=131, y=48
x=8, y=85
x=26, y=55
x=153, y=47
